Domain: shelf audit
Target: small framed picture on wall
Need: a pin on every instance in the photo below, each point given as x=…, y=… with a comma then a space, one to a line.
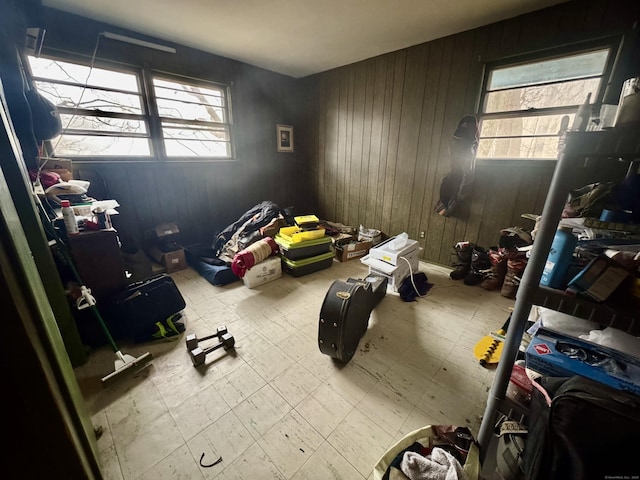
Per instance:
x=284, y=138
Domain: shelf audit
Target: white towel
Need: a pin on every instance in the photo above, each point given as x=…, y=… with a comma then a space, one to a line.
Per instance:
x=439, y=465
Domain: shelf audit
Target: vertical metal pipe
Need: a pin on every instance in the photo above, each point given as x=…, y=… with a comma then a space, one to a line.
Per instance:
x=551, y=213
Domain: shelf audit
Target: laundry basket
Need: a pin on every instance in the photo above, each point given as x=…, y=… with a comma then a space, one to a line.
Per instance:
x=424, y=436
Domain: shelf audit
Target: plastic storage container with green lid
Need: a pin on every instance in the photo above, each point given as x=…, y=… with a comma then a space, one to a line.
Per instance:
x=298, y=268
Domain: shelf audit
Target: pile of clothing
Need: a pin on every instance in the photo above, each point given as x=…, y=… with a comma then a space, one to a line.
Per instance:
x=437, y=452
x=238, y=247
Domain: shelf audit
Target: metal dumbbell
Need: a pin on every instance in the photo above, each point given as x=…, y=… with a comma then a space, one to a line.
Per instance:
x=192, y=339
x=198, y=355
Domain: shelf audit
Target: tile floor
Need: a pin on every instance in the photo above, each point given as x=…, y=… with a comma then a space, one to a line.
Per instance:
x=278, y=408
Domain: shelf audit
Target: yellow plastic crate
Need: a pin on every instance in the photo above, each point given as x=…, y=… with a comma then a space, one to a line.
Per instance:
x=295, y=234
x=302, y=219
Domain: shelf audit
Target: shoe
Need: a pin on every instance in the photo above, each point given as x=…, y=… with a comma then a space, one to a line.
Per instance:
x=495, y=276
x=515, y=268
x=514, y=237
x=480, y=266
x=463, y=252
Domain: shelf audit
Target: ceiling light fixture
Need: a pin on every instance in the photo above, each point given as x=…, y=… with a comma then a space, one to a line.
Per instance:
x=135, y=41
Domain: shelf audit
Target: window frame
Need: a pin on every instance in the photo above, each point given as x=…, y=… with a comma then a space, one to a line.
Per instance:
x=612, y=43
x=150, y=114
x=149, y=77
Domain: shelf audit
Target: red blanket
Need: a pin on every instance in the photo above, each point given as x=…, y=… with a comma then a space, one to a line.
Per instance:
x=254, y=253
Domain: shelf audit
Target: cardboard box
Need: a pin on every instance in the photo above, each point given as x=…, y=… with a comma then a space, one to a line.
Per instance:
x=172, y=261
x=599, y=279
x=342, y=238
x=165, y=230
x=349, y=251
x=596, y=362
x=266, y=271
x=370, y=234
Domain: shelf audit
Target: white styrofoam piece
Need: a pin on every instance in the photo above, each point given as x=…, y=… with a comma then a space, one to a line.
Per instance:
x=394, y=274
x=263, y=272
x=384, y=251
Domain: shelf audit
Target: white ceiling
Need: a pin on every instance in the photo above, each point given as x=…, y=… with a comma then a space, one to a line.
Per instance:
x=299, y=37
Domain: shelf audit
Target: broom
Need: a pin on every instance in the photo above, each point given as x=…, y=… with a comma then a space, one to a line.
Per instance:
x=123, y=363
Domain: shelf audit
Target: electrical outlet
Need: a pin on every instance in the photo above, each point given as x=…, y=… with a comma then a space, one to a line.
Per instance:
x=423, y=234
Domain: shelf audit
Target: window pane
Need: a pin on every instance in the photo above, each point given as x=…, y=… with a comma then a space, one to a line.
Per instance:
x=195, y=132
x=190, y=101
x=523, y=126
x=190, y=94
x=103, y=124
x=72, y=72
x=196, y=148
x=557, y=69
x=542, y=96
x=167, y=84
x=526, y=148
x=78, y=97
x=199, y=107
x=87, y=145
x=190, y=111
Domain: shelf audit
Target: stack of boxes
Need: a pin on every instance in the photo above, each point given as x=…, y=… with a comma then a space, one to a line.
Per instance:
x=164, y=247
x=304, y=247
x=393, y=259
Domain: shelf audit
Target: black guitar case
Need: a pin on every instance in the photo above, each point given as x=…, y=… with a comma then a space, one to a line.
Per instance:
x=344, y=316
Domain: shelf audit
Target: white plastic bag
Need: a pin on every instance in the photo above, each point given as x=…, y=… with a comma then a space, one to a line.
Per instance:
x=615, y=339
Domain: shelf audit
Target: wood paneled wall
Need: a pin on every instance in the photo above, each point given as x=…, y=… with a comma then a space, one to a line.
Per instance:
x=371, y=138
x=378, y=131
x=201, y=197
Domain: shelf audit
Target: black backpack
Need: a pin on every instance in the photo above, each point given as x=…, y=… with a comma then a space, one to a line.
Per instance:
x=588, y=432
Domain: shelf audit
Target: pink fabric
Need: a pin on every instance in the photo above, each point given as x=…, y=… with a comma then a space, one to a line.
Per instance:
x=254, y=253
x=46, y=178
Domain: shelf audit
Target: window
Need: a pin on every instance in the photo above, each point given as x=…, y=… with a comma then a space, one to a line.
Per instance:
x=194, y=119
x=523, y=104
x=107, y=113
x=101, y=110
